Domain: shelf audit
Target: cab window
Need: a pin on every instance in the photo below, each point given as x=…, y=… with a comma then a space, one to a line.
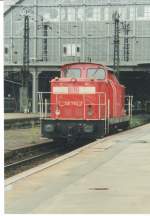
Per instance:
x=72, y=73
x=96, y=73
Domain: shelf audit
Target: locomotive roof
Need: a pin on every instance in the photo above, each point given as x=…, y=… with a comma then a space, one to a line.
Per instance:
x=90, y=63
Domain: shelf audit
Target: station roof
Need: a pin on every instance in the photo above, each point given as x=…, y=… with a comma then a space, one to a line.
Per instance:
x=8, y=4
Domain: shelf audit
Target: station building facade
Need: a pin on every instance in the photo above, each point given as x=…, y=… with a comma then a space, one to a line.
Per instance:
x=63, y=31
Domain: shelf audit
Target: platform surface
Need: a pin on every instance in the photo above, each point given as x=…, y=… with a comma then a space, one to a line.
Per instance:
x=11, y=116
x=111, y=176
x=15, y=139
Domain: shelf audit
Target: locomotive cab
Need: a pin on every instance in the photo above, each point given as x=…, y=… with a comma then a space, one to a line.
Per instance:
x=89, y=72
x=85, y=101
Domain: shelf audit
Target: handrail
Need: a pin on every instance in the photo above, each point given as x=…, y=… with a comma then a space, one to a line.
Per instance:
x=45, y=105
x=129, y=105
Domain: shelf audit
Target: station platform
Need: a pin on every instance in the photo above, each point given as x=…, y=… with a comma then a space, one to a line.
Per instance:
x=20, y=120
x=10, y=116
x=22, y=138
x=111, y=175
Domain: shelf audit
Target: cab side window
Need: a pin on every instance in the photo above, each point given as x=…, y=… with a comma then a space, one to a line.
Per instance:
x=72, y=73
x=96, y=73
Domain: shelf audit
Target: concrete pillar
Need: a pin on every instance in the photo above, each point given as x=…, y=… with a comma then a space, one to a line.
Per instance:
x=34, y=91
x=24, y=99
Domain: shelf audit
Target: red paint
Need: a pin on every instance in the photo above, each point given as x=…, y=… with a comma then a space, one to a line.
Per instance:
x=73, y=104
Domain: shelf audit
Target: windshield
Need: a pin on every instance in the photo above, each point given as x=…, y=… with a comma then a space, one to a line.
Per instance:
x=97, y=73
x=72, y=73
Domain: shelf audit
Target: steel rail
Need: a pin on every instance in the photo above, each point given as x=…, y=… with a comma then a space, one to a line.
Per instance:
x=17, y=163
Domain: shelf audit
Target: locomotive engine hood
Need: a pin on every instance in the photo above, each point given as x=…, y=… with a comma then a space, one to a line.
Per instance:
x=74, y=98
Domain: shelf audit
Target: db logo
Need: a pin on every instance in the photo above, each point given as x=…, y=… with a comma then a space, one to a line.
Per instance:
x=73, y=90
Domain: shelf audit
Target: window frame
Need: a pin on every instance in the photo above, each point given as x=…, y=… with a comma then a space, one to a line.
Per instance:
x=71, y=50
x=67, y=69
x=6, y=47
x=96, y=72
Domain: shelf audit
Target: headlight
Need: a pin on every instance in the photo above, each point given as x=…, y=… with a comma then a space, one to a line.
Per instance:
x=57, y=112
x=49, y=128
x=88, y=128
x=90, y=110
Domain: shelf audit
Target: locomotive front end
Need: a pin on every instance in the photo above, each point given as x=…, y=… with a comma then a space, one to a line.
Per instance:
x=75, y=106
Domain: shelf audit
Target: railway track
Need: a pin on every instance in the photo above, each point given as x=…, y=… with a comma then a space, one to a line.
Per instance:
x=21, y=161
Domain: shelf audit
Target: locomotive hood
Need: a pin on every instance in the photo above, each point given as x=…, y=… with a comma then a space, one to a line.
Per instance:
x=75, y=98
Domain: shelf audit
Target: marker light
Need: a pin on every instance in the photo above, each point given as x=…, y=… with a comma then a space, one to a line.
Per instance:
x=90, y=110
x=57, y=112
x=56, y=78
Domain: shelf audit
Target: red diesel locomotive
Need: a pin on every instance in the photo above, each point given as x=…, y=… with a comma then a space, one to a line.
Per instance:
x=86, y=101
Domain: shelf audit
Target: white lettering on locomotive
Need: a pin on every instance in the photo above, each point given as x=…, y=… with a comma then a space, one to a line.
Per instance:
x=74, y=90
x=71, y=103
x=60, y=90
x=75, y=103
x=87, y=90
